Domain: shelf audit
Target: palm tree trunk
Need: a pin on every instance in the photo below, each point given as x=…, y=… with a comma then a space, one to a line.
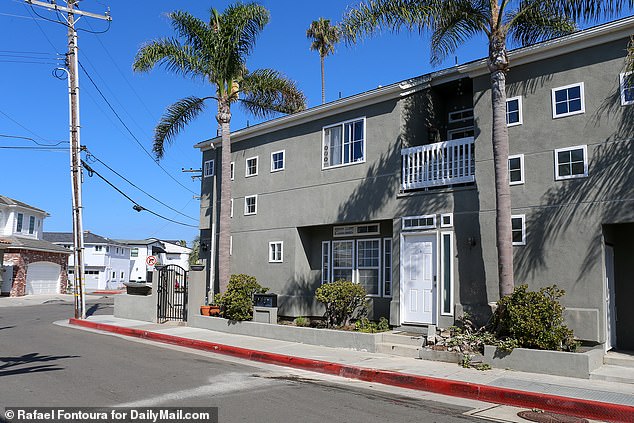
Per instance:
x=323, y=81
x=224, y=260
x=498, y=65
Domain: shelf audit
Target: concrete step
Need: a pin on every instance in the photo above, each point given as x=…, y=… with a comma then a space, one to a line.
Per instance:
x=398, y=350
x=402, y=339
x=611, y=373
x=619, y=359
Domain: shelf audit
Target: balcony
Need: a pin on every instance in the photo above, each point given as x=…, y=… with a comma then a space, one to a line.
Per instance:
x=440, y=164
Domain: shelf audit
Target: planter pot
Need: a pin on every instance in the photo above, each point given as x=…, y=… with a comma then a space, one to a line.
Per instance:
x=210, y=310
x=136, y=288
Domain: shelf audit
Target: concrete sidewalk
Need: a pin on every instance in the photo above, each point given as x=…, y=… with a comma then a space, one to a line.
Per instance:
x=29, y=300
x=609, y=401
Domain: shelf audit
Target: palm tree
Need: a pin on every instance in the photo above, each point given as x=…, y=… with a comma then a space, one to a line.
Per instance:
x=453, y=22
x=215, y=52
x=324, y=37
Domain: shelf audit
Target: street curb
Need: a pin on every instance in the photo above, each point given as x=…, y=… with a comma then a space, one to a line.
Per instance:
x=572, y=406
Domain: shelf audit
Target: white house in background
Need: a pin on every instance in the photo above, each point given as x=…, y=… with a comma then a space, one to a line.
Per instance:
x=107, y=262
x=166, y=252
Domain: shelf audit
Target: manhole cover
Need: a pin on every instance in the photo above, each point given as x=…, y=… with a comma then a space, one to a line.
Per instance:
x=548, y=417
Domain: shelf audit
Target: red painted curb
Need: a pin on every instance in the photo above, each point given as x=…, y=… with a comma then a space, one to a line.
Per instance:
x=573, y=406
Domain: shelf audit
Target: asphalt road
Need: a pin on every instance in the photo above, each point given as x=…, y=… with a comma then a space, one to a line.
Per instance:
x=42, y=364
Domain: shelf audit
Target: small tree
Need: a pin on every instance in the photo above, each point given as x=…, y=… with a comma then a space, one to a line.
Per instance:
x=237, y=302
x=343, y=300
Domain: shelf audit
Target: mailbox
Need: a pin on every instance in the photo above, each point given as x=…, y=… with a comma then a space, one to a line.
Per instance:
x=265, y=300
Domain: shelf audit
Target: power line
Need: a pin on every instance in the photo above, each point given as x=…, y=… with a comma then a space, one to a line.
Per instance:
x=90, y=155
x=130, y=131
x=136, y=205
x=14, y=147
x=20, y=125
x=31, y=139
x=41, y=29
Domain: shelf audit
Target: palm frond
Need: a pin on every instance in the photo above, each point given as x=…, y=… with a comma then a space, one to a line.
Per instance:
x=324, y=36
x=534, y=22
x=175, y=118
x=392, y=15
x=193, y=30
x=172, y=55
x=588, y=10
x=629, y=60
x=266, y=92
x=242, y=23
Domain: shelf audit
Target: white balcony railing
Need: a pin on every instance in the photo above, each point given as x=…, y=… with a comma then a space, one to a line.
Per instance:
x=440, y=164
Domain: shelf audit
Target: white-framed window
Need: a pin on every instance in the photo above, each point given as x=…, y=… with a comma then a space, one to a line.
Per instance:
x=514, y=111
x=342, y=260
x=518, y=229
x=356, y=230
x=571, y=162
x=251, y=166
x=230, y=245
x=232, y=170
x=114, y=275
x=278, y=160
x=446, y=220
x=107, y=249
x=122, y=275
x=369, y=265
x=250, y=205
x=276, y=251
x=460, y=115
x=459, y=133
x=31, y=225
x=98, y=248
x=231, y=211
x=344, y=143
x=19, y=222
x=325, y=262
x=446, y=273
x=568, y=100
x=387, y=267
x=516, y=169
x=208, y=169
x=134, y=252
x=626, y=82
x=419, y=222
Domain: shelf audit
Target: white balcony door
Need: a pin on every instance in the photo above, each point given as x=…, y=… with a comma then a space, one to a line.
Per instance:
x=418, y=279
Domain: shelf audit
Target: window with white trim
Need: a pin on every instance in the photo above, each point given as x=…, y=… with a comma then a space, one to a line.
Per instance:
x=387, y=267
x=356, y=230
x=626, y=82
x=232, y=169
x=31, y=225
x=369, y=265
x=122, y=275
x=419, y=222
x=276, y=251
x=278, y=161
x=516, y=169
x=514, y=111
x=460, y=115
x=518, y=229
x=208, y=168
x=230, y=245
x=98, y=248
x=251, y=166
x=344, y=143
x=250, y=205
x=446, y=273
x=446, y=220
x=571, y=162
x=134, y=252
x=325, y=262
x=342, y=260
x=231, y=210
x=568, y=100
x=19, y=222
x=456, y=134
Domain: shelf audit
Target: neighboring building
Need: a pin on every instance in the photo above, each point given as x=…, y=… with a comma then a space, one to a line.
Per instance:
x=166, y=252
x=30, y=265
x=394, y=189
x=106, y=262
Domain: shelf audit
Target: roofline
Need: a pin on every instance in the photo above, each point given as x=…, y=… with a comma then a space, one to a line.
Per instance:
x=579, y=40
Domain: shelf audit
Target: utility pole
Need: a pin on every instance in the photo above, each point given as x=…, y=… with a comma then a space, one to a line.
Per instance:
x=75, y=145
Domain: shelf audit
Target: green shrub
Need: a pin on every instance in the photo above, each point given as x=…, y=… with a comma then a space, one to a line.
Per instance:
x=343, y=300
x=532, y=319
x=237, y=302
x=365, y=325
x=301, y=321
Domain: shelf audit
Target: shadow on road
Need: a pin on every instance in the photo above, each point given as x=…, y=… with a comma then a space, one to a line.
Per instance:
x=28, y=364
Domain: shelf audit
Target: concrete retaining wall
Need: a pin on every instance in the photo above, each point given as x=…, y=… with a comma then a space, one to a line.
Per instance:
x=135, y=307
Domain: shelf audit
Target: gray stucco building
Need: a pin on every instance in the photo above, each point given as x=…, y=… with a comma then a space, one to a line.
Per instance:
x=393, y=188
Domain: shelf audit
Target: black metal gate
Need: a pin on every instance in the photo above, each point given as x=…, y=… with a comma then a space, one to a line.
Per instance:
x=171, y=293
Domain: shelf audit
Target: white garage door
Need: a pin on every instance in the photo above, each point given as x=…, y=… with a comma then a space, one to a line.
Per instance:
x=42, y=278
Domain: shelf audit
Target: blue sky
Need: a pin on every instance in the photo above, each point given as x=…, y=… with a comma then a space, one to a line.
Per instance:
x=35, y=104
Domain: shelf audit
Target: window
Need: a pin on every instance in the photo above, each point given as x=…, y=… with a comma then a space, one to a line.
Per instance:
x=461, y=115
x=98, y=247
x=456, y=134
x=516, y=169
x=387, y=267
x=134, y=252
x=231, y=212
x=122, y=275
x=446, y=220
x=342, y=260
x=231, y=245
x=252, y=166
x=344, y=143
x=276, y=251
x=369, y=265
x=358, y=230
x=232, y=170
x=518, y=229
x=250, y=205
x=514, y=111
x=31, y=224
x=208, y=168
x=18, y=226
x=419, y=222
x=277, y=161
x=568, y=100
x=446, y=272
x=627, y=88
x=571, y=162
x=114, y=275
x=107, y=249
x=325, y=262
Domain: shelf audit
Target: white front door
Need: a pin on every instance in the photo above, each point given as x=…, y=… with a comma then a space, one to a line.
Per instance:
x=418, y=279
x=610, y=298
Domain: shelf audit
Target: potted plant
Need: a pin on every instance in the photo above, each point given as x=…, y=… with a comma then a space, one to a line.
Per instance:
x=210, y=309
